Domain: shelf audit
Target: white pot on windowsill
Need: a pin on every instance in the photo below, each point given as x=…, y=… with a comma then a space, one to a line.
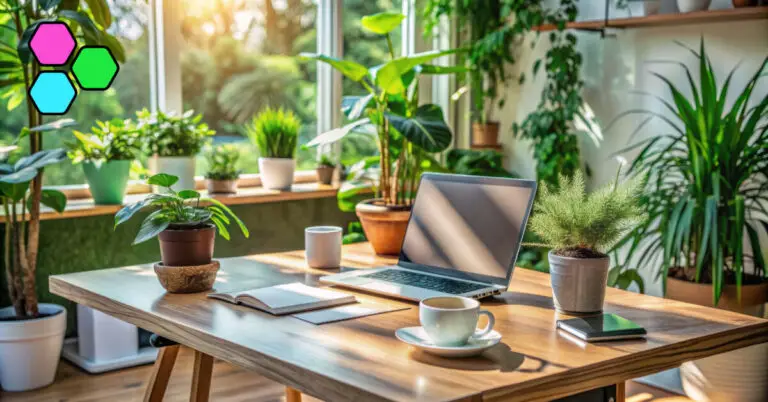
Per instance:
x=687, y=6
x=277, y=173
x=181, y=166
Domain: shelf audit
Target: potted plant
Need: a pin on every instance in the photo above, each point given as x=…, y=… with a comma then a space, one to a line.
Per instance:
x=172, y=142
x=222, y=172
x=580, y=227
x=325, y=168
x=275, y=132
x=705, y=199
x=687, y=6
x=406, y=134
x=477, y=163
x=106, y=154
x=185, y=224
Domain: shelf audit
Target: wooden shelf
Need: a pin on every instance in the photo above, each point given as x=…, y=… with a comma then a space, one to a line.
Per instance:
x=657, y=20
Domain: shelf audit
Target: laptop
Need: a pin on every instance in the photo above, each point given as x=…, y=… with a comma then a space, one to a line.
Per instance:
x=462, y=239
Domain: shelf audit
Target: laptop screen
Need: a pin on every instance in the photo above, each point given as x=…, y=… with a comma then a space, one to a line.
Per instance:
x=467, y=227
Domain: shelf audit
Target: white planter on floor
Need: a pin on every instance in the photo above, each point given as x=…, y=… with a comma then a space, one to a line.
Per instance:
x=686, y=6
x=30, y=349
x=181, y=166
x=741, y=375
x=104, y=338
x=277, y=173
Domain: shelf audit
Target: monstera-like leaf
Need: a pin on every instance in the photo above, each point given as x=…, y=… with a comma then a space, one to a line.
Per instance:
x=382, y=23
x=426, y=128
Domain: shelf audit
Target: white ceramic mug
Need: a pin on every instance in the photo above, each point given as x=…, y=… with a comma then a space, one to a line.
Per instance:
x=322, y=246
x=452, y=320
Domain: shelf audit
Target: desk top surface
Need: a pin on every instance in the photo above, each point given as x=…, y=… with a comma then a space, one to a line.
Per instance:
x=361, y=359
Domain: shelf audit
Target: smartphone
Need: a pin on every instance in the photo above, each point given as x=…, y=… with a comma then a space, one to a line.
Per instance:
x=604, y=327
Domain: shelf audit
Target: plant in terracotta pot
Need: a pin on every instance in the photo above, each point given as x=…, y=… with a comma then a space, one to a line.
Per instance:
x=222, y=172
x=185, y=224
x=172, y=141
x=580, y=228
x=406, y=134
x=275, y=132
x=325, y=168
x=106, y=154
x=706, y=212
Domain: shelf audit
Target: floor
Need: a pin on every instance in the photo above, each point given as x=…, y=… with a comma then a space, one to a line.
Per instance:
x=230, y=384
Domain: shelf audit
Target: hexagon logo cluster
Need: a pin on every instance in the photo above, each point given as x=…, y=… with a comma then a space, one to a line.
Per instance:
x=94, y=68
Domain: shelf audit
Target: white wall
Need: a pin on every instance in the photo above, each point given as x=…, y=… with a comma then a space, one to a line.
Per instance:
x=615, y=66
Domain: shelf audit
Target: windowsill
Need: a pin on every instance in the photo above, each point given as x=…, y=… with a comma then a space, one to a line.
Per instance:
x=248, y=195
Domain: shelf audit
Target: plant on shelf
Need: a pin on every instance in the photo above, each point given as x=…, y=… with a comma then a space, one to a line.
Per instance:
x=106, y=153
x=22, y=182
x=325, y=168
x=222, y=172
x=580, y=228
x=406, y=134
x=172, y=141
x=275, y=132
x=477, y=163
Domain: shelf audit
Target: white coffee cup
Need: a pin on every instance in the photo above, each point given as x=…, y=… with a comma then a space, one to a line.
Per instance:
x=322, y=246
x=452, y=320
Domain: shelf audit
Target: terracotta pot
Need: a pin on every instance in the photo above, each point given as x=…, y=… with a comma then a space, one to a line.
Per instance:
x=744, y=3
x=222, y=186
x=325, y=174
x=384, y=226
x=485, y=134
x=187, y=279
x=186, y=247
x=740, y=375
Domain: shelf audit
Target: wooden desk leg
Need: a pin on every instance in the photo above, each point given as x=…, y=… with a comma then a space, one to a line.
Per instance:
x=621, y=392
x=161, y=373
x=201, y=378
x=292, y=395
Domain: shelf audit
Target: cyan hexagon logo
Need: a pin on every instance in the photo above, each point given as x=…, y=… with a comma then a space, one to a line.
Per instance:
x=52, y=92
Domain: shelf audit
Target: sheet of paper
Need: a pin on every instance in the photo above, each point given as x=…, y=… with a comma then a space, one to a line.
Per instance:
x=351, y=311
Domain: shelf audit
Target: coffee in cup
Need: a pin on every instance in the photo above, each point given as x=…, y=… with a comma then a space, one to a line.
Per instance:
x=452, y=320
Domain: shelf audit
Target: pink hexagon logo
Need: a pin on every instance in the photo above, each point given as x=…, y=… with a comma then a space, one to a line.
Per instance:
x=52, y=43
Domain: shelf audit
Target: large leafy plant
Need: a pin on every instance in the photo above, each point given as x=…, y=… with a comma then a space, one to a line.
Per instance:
x=405, y=132
x=183, y=210
x=108, y=141
x=708, y=177
x=275, y=132
x=169, y=134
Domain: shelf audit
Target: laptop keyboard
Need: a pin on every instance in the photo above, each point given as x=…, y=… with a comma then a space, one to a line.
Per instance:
x=430, y=282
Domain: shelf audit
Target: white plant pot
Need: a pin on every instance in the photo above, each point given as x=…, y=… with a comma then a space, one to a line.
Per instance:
x=277, y=173
x=102, y=337
x=30, y=349
x=741, y=375
x=578, y=284
x=686, y=6
x=181, y=166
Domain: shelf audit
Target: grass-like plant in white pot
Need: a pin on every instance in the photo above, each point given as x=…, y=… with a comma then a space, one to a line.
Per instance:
x=172, y=142
x=222, y=172
x=186, y=225
x=106, y=154
x=275, y=132
x=580, y=227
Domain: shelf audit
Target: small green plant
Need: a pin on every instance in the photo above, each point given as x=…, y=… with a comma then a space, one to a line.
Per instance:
x=581, y=225
x=222, y=162
x=108, y=141
x=167, y=134
x=326, y=161
x=275, y=132
x=477, y=163
x=178, y=211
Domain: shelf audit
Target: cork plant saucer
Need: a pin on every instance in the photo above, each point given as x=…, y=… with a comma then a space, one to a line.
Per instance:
x=187, y=279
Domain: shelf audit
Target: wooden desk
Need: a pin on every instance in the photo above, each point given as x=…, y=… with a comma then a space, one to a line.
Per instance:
x=361, y=360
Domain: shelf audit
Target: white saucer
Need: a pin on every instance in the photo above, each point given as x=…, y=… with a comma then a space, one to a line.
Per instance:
x=417, y=337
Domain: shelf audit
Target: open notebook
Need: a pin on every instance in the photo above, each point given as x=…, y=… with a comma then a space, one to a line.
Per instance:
x=286, y=299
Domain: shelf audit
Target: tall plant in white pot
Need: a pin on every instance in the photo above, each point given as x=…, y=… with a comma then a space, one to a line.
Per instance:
x=275, y=132
x=580, y=227
x=172, y=142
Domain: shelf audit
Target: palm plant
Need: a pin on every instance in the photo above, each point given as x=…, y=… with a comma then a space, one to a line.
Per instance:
x=706, y=182
x=275, y=132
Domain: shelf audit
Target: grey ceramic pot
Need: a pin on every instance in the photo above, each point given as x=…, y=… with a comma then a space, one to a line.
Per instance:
x=578, y=284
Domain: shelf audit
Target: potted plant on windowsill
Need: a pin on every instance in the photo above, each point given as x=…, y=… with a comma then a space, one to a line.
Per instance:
x=106, y=155
x=705, y=199
x=579, y=227
x=172, y=142
x=222, y=172
x=406, y=134
x=186, y=231
x=325, y=169
x=275, y=132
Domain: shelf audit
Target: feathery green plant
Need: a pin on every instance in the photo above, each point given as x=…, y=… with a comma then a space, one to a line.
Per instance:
x=569, y=219
x=222, y=162
x=275, y=132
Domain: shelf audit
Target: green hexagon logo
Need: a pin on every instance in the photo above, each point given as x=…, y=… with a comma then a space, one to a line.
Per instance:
x=94, y=68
